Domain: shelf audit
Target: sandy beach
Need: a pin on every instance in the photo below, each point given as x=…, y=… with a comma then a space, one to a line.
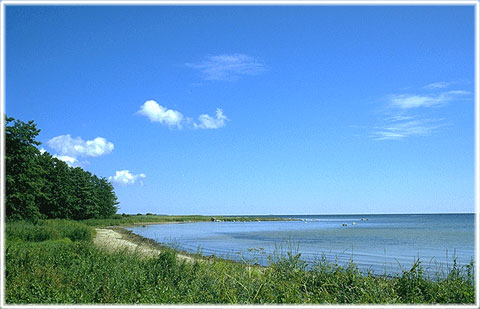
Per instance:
x=114, y=241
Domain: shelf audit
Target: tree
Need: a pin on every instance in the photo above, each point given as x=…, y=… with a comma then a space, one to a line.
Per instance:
x=39, y=185
x=58, y=198
x=107, y=203
x=23, y=181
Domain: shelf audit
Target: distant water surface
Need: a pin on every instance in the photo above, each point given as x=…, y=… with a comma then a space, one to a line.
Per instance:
x=380, y=243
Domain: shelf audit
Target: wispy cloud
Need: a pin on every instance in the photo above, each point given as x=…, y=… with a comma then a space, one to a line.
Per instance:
x=397, y=129
x=228, y=67
x=208, y=122
x=173, y=118
x=409, y=115
x=438, y=85
x=67, y=146
x=158, y=113
x=124, y=177
x=408, y=101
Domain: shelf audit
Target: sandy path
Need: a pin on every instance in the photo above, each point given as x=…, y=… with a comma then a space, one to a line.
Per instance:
x=113, y=241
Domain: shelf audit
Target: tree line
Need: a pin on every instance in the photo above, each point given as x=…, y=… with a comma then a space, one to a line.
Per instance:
x=40, y=186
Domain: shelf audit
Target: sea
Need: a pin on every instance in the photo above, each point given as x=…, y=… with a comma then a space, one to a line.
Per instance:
x=382, y=244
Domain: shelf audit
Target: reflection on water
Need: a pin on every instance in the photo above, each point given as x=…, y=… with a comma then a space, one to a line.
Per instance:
x=380, y=243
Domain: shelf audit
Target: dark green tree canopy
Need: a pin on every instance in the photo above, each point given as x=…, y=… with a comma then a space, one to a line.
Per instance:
x=40, y=186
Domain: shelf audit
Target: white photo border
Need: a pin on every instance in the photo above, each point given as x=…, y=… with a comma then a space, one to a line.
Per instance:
x=5, y=3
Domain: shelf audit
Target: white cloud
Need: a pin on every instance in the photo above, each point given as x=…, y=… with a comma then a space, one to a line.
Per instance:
x=438, y=85
x=158, y=113
x=69, y=160
x=124, y=177
x=65, y=145
x=398, y=129
x=228, y=66
x=42, y=150
x=409, y=101
x=208, y=122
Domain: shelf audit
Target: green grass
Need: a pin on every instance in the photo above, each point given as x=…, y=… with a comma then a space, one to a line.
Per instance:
x=61, y=269
x=48, y=230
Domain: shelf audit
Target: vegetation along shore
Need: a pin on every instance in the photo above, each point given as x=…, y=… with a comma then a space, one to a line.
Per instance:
x=65, y=261
x=65, y=245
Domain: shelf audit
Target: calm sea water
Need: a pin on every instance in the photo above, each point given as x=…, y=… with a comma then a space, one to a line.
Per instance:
x=380, y=243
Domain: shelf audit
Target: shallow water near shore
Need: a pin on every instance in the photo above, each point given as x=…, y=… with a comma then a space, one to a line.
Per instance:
x=379, y=243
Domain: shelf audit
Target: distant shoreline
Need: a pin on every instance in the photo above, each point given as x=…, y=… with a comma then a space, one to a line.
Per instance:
x=259, y=216
x=136, y=220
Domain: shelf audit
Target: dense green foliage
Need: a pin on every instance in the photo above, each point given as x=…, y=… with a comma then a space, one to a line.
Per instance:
x=40, y=186
x=72, y=270
x=23, y=172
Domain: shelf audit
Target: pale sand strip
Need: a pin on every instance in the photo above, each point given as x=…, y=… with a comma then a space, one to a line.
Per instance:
x=114, y=241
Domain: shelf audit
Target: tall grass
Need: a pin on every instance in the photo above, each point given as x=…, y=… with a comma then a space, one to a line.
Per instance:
x=48, y=230
x=65, y=271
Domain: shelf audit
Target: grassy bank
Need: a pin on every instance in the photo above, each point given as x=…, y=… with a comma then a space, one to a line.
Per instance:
x=56, y=262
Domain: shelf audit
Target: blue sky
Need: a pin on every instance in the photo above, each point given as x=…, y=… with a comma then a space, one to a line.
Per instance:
x=254, y=110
